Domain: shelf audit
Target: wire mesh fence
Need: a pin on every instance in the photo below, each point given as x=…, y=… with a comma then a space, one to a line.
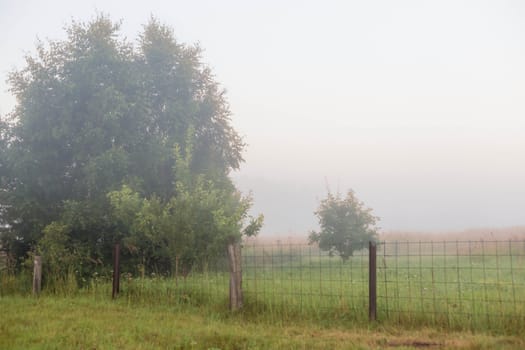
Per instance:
x=474, y=284
x=211, y=290
x=478, y=285
x=456, y=284
x=290, y=279
x=205, y=284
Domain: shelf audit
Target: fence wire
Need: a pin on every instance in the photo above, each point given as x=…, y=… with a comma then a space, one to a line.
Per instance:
x=301, y=278
x=204, y=284
x=474, y=283
x=458, y=284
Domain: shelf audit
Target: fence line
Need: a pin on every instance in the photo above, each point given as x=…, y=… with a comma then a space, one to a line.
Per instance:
x=458, y=284
x=478, y=285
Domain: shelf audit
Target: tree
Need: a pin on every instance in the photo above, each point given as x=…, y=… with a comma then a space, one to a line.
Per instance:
x=193, y=226
x=346, y=225
x=96, y=114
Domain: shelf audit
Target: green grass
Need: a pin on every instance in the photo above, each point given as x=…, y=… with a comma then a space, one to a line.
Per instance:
x=83, y=322
x=293, y=292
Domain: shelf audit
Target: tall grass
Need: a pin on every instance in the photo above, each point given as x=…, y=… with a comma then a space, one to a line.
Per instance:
x=11, y=284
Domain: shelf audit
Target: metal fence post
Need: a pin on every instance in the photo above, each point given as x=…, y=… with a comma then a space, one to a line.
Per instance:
x=116, y=271
x=372, y=281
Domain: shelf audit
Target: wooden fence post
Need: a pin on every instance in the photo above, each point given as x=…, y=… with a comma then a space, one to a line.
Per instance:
x=234, y=256
x=372, y=281
x=37, y=275
x=116, y=271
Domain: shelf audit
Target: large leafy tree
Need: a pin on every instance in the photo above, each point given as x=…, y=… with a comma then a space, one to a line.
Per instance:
x=95, y=113
x=346, y=225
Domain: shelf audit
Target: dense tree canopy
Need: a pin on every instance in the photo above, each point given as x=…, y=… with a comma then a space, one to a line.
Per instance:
x=96, y=132
x=346, y=225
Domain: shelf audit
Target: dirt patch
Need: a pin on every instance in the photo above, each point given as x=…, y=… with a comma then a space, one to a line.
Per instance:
x=415, y=344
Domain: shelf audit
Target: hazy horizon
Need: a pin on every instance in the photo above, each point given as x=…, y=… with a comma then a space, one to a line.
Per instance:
x=417, y=106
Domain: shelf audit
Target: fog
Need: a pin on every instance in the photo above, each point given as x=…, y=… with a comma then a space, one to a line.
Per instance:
x=417, y=106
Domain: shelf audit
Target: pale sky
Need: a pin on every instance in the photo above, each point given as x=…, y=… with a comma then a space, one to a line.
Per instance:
x=418, y=106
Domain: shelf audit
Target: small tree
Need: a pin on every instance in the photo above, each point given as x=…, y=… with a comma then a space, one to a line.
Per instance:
x=346, y=225
x=195, y=225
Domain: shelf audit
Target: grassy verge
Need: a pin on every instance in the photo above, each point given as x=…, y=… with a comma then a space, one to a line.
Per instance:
x=83, y=323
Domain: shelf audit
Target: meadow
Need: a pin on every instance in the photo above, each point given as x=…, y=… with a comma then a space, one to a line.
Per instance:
x=433, y=294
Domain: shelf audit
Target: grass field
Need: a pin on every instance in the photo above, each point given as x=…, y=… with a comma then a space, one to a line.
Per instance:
x=82, y=322
x=430, y=295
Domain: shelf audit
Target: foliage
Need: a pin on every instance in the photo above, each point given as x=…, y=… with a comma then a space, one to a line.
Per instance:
x=96, y=114
x=194, y=225
x=346, y=225
x=63, y=259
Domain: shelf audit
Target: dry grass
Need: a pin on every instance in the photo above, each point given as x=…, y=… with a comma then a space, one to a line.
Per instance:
x=486, y=234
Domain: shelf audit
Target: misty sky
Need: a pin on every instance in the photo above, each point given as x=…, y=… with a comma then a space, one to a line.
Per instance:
x=418, y=106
